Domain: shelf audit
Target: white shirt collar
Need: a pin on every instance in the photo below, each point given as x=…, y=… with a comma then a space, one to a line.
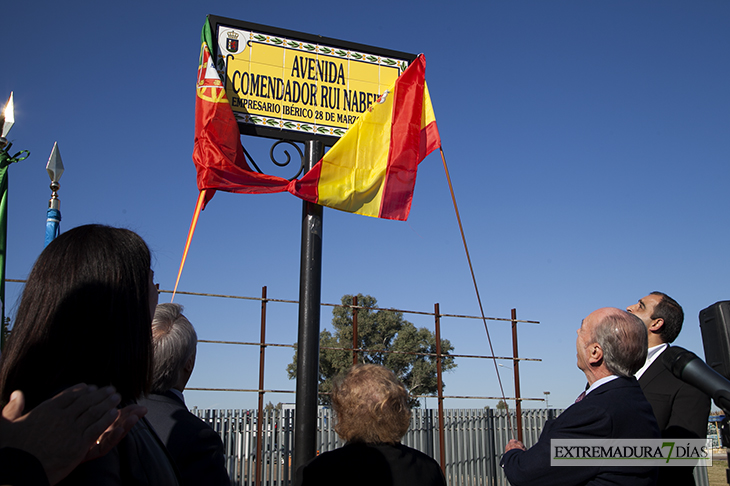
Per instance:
x=651, y=356
x=600, y=382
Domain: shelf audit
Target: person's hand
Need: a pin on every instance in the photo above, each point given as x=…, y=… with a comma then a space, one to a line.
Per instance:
x=126, y=418
x=78, y=424
x=514, y=444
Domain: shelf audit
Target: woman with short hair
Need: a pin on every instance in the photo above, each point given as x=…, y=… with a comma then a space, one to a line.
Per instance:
x=372, y=415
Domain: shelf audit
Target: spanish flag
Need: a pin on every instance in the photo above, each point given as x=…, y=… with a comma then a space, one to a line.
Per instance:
x=372, y=169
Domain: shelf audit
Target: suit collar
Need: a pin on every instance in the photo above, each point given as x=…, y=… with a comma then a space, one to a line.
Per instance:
x=654, y=369
x=177, y=393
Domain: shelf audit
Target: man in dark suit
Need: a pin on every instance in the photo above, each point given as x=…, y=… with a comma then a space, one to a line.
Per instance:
x=681, y=410
x=195, y=447
x=611, y=346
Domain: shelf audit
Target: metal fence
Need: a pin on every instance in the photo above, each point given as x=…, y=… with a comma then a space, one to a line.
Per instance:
x=474, y=441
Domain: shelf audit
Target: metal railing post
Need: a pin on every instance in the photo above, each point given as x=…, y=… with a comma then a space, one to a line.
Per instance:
x=439, y=384
x=260, y=419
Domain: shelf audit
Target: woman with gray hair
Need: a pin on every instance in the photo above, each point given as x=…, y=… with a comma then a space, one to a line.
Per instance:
x=372, y=415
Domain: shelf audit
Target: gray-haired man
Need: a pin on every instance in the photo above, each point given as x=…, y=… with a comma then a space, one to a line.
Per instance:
x=194, y=446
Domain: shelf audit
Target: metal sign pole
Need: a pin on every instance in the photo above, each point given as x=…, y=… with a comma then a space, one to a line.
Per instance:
x=516, y=364
x=310, y=290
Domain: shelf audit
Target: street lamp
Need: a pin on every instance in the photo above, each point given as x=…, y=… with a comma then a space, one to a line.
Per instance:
x=7, y=120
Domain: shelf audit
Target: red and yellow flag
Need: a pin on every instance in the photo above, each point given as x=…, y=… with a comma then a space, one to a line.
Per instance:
x=372, y=169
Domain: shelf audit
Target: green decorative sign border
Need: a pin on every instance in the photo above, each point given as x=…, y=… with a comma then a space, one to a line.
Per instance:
x=278, y=127
x=282, y=123
x=292, y=125
x=329, y=51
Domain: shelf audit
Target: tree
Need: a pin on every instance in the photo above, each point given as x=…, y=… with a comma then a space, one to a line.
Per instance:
x=502, y=405
x=270, y=407
x=378, y=330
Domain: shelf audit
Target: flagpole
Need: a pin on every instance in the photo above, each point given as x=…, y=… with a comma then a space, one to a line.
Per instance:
x=310, y=292
x=54, y=167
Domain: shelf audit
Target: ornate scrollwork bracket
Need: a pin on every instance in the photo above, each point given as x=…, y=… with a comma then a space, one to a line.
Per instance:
x=272, y=156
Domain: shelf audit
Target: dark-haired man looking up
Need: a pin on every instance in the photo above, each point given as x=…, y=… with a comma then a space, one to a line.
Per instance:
x=681, y=410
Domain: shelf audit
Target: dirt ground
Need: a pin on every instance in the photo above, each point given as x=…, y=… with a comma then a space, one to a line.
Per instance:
x=716, y=473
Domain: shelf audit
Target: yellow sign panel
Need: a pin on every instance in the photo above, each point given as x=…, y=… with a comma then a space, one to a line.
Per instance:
x=291, y=84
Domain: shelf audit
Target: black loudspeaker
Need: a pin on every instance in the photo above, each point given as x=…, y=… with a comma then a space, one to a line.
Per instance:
x=715, y=327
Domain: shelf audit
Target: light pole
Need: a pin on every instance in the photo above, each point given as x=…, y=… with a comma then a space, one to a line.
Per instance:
x=546, y=393
x=7, y=120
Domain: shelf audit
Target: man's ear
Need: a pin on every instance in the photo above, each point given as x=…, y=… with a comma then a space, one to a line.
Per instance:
x=656, y=325
x=596, y=354
x=190, y=364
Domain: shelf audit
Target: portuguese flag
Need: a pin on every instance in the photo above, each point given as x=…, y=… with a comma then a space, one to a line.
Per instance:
x=371, y=170
x=218, y=153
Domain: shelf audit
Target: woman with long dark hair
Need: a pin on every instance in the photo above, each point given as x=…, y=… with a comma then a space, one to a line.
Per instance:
x=85, y=316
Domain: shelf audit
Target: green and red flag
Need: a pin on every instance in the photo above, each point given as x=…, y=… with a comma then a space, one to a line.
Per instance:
x=217, y=152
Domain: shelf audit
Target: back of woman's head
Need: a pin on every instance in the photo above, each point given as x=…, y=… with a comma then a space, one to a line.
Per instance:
x=371, y=405
x=84, y=316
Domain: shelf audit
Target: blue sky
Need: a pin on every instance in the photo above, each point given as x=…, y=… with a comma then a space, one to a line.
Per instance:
x=588, y=145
